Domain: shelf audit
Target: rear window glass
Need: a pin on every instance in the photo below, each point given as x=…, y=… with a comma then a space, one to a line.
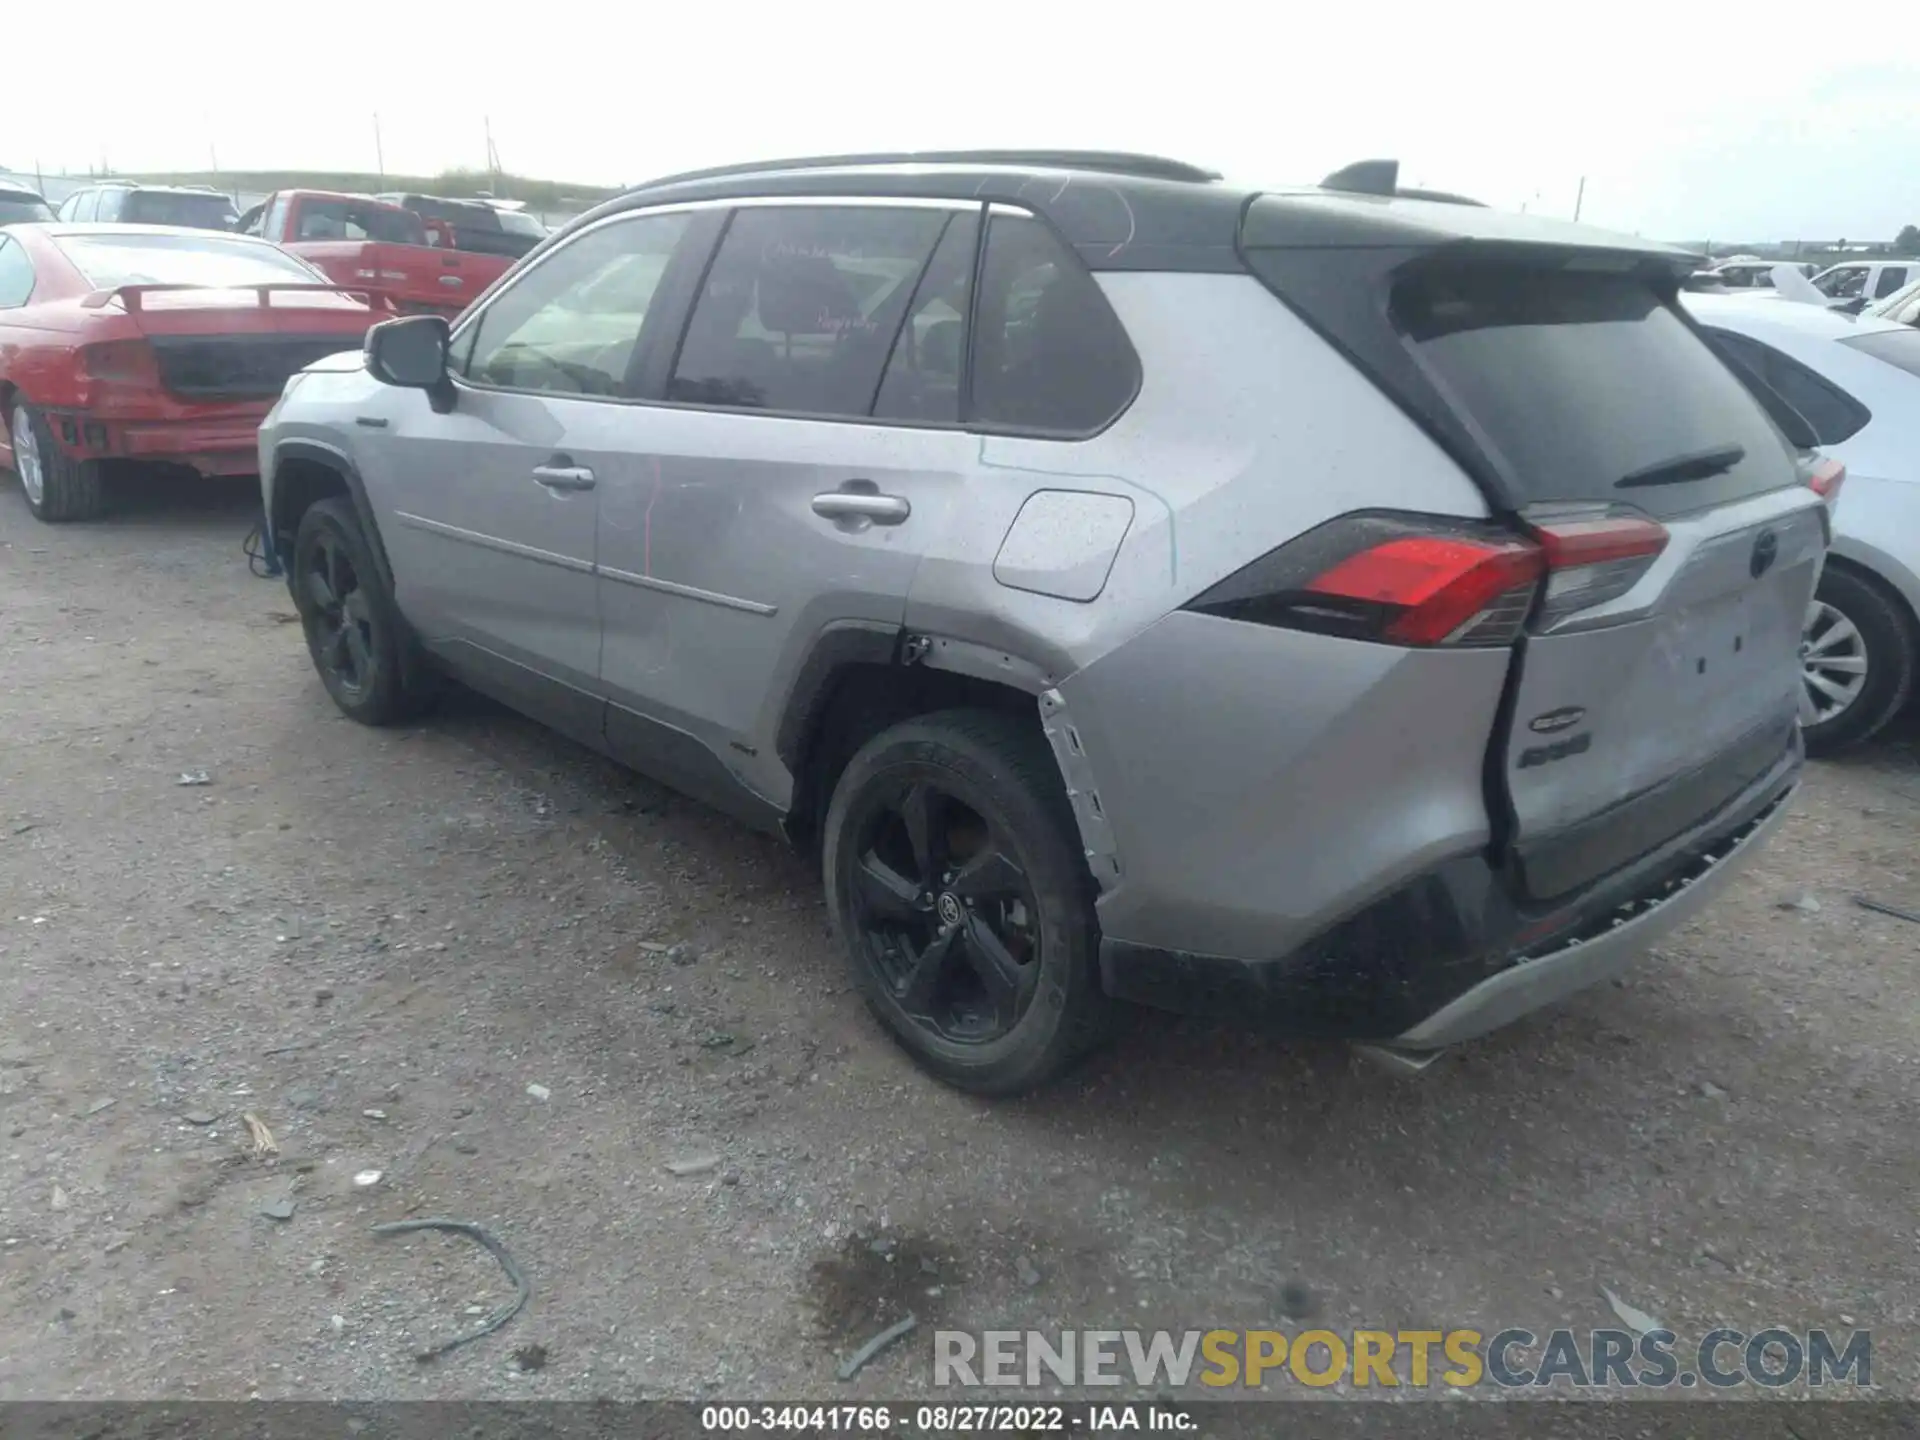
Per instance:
x=1588, y=387
x=160, y=207
x=1899, y=348
x=15, y=208
x=109, y=261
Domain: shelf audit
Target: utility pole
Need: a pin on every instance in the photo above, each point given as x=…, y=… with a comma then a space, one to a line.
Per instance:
x=379, y=155
x=1579, y=196
x=493, y=158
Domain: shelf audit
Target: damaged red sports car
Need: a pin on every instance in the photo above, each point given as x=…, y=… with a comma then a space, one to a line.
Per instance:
x=139, y=343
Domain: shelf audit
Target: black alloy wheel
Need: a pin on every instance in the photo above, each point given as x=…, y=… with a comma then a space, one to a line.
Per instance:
x=957, y=884
x=360, y=645
x=945, y=914
x=340, y=627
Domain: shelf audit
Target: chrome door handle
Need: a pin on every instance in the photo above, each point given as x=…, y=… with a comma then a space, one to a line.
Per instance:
x=853, y=505
x=564, y=477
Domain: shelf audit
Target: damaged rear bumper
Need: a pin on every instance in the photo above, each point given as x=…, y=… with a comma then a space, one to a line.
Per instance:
x=1451, y=956
x=226, y=444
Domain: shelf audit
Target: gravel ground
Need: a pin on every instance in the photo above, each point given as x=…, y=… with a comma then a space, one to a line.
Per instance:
x=522, y=985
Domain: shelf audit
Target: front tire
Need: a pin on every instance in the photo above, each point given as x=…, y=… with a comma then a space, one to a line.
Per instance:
x=1857, y=661
x=957, y=886
x=360, y=646
x=58, y=487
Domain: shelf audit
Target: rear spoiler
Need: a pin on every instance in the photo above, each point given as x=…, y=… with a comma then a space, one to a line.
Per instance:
x=130, y=295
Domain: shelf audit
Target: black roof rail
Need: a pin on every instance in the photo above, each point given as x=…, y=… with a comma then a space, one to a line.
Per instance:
x=1112, y=162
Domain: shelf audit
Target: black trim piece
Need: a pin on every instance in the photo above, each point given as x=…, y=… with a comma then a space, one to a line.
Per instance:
x=572, y=712
x=1553, y=865
x=707, y=263
x=906, y=315
x=839, y=646
x=657, y=348
x=1382, y=971
x=681, y=761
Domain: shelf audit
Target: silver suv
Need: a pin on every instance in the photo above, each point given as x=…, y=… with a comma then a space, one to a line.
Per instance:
x=1377, y=615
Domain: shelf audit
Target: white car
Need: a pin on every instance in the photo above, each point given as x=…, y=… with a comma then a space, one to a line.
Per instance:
x=1856, y=384
x=1856, y=283
x=1902, y=306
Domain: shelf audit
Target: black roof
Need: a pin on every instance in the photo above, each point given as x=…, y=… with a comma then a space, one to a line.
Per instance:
x=1135, y=212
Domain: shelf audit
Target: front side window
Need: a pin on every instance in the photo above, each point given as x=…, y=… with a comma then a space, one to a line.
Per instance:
x=800, y=308
x=570, y=324
x=109, y=205
x=1050, y=356
x=16, y=275
x=1843, y=283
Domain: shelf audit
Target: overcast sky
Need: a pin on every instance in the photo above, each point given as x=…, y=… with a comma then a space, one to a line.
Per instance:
x=1690, y=122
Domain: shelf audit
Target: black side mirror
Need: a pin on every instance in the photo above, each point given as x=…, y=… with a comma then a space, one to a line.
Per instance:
x=410, y=352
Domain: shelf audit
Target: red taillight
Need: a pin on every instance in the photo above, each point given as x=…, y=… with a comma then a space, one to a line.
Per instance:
x=121, y=362
x=1592, y=559
x=1392, y=579
x=1826, y=478
x=1435, y=589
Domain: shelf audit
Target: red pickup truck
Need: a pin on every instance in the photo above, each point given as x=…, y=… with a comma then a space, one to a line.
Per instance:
x=370, y=245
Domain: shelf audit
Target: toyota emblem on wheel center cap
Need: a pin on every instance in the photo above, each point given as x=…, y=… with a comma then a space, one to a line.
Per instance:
x=949, y=908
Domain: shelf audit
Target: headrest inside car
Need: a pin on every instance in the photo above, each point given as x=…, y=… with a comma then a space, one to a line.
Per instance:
x=805, y=295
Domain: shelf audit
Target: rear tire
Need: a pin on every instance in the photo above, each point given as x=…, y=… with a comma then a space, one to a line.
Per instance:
x=361, y=647
x=1859, y=640
x=956, y=883
x=58, y=487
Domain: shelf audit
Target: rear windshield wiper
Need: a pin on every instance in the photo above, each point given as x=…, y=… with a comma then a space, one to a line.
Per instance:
x=1699, y=465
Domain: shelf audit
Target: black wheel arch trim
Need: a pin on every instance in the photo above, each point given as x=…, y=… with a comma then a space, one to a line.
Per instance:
x=337, y=461
x=839, y=646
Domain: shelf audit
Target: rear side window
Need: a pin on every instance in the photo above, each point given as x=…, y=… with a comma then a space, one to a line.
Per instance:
x=1050, y=356
x=1586, y=386
x=16, y=275
x=799, y=310
x=1891, y=279
x=1831, y=412
x=1899, y=348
